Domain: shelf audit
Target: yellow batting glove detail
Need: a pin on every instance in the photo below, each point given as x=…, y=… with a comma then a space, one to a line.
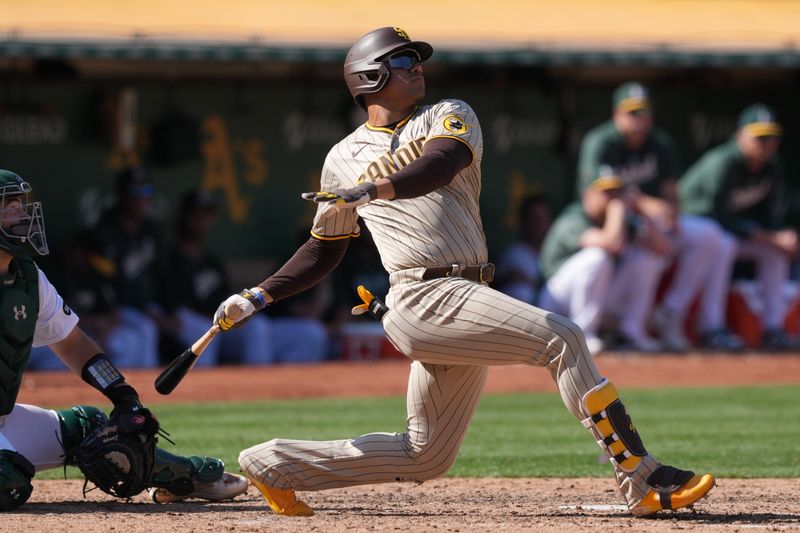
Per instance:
x=225, y=323
x=322, y=197
x=354, y=197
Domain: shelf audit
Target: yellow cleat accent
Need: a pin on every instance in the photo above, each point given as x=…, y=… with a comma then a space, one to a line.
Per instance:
x=281, y=501
x=684, y=496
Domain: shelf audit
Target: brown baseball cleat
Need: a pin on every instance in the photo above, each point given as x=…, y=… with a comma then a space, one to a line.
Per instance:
x=281, y=501
x=672, y=489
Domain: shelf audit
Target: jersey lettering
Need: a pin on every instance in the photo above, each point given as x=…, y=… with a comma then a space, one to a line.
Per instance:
x=389, y=163
x=745, y=197
x=638, y=172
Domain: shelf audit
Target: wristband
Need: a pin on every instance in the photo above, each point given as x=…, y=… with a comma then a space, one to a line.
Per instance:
x=260, y=295
x=100, y=373
x=255, y=297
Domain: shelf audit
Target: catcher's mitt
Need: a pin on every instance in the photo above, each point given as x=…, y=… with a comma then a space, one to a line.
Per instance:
x=118, y=456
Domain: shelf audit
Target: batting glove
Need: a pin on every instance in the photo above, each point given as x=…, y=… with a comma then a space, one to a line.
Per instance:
x=354, y=197
x=373, y=306
x=249, y=301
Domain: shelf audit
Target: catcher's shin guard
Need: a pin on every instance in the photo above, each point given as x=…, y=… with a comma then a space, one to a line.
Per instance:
x=180, y=474
x=16, y=473
x=612, y=427
x=76, y=424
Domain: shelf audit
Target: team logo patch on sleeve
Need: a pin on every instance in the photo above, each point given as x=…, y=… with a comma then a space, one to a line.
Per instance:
x=67, y=310
x=455, y=124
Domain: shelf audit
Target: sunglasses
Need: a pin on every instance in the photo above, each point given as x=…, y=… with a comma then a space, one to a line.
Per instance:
x=404, y=60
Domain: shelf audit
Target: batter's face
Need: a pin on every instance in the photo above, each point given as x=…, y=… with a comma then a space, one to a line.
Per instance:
x=406, y=85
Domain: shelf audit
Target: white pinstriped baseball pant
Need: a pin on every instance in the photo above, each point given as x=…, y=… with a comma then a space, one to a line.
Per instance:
x=454, y=329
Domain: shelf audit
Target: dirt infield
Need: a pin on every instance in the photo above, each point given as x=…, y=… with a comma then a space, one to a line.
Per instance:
x=440, y=505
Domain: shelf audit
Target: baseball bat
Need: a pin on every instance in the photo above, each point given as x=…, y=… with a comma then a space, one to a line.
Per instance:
x=174, y=373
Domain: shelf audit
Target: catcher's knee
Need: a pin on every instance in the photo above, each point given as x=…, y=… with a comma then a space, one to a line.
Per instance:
x=16, y=473
x=77, y=423
x=612, y=427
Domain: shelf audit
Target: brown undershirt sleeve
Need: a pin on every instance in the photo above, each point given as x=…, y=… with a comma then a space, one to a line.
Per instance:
x=442, y=158
x=309, y=265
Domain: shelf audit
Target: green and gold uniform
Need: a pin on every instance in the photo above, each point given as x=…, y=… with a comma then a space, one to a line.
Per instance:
x=647, y=167
x=720, y=186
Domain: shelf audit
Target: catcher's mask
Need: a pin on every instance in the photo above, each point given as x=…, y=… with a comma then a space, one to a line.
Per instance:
x=21, y=220
x=365, y=69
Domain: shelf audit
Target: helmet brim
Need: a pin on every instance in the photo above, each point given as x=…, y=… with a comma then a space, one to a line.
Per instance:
x=422, y=48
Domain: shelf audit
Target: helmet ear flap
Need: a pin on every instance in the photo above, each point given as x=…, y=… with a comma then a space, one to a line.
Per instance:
x=372, y=82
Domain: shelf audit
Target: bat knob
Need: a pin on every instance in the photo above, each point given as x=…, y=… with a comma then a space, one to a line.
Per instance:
x=233, y=311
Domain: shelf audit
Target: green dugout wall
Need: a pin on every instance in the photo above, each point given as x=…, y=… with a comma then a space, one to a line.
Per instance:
x=257, y=142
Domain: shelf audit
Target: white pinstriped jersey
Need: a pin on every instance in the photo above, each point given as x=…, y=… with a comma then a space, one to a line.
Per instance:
x=438, y=229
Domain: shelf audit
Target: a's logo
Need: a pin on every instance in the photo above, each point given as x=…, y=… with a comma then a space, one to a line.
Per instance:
x=402, y=34
x=67, y=310
x=455, y=124
x=20, y=312
x=14, y=494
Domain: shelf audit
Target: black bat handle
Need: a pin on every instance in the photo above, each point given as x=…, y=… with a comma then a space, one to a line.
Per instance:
x=174, y=373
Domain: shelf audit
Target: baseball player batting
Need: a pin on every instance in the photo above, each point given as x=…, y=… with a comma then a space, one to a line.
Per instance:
x=412, y=172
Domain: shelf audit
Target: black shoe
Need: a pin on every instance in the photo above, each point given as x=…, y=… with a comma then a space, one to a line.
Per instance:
x=777, y=340
x=722, y=340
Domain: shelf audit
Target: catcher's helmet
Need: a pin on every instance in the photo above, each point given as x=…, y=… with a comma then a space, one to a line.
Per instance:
x=21, y=220
x=364, y=70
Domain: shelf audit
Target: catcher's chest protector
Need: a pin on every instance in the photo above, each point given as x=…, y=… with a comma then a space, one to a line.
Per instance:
x=19, y=309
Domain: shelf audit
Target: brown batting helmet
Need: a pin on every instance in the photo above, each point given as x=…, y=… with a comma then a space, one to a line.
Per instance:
x=364, y=70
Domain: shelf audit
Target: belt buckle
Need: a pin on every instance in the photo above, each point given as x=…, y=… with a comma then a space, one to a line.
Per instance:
x=455, y=270
x=489, y=269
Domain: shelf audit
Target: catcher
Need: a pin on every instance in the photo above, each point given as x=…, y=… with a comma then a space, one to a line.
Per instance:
x=117, y=453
